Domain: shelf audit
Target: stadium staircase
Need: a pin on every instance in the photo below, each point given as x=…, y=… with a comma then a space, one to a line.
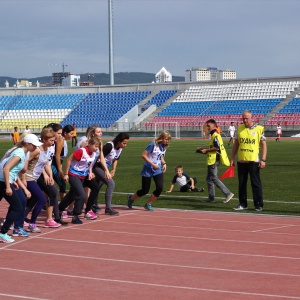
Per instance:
x=159, y=109
x=277, y=108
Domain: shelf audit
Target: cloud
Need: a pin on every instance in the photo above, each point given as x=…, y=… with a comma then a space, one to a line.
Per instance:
x=254, y=37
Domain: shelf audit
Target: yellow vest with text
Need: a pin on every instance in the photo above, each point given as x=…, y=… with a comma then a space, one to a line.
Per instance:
x=212, y=156
x=249, y=142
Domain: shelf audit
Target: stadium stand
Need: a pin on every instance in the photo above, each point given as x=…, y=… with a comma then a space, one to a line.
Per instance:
x=103, y=108
x=272, y=101
x=36, y=110
x=225, y=103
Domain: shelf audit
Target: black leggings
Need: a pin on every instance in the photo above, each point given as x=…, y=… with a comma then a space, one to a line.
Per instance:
x=146, y=183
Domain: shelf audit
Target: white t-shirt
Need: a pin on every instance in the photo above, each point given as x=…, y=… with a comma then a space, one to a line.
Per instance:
x=278, y=130
x=231, y=130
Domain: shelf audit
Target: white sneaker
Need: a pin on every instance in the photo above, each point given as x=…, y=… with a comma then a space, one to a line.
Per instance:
x=240, y=207
x=33, y=228
x=228, y=198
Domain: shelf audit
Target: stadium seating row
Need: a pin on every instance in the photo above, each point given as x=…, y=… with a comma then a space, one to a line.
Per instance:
x=223, y=102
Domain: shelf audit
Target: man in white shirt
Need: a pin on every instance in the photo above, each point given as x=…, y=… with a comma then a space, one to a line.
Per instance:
x=27, y=130
x=278, y=132
x=231, y=131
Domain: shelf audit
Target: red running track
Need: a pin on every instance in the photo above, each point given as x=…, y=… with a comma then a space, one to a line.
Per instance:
x=165, y=254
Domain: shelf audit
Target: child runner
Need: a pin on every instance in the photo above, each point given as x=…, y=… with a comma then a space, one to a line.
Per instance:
x=154, y=167
x=38, y=178
x=61, y=152
x=12, y=166
x=96, y=131
x=20, y=221
x=79, y=174
x=92, y=131
x=111, y=151
x=184, y=182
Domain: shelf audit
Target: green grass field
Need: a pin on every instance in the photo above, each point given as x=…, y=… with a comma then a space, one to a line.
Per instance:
x=280, y=178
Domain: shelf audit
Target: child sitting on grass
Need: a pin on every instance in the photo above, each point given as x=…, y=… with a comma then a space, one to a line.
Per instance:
x=184, y=182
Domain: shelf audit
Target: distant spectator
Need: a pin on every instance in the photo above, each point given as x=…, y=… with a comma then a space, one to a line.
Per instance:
x=278, y=132
x=74, y=137
x=27, y=130
x=16, y=135
x=231, y=132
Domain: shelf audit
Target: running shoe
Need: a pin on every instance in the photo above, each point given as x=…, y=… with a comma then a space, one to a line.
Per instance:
x=20, y=232
x=129, y=202
x=228, y=198
x=65, y=215
x=148, y=207
x=240, y=207
x=33, y=228
x=51, y=224
x=90, y=215
x=61, y=222
x=111, y=212
x=76, y=220
x=259, y=208
x=5, y=238
x=198, y=190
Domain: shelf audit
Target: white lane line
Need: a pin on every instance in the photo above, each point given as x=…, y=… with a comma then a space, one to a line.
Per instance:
x=166, y=248
x=21, y=297
x=152, y=284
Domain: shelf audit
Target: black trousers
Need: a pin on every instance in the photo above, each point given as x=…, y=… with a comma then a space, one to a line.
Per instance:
x=186, y=187
x=252, y=169
x=146, y=184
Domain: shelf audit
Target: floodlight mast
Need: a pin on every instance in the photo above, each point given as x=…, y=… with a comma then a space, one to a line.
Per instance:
x=111, y=51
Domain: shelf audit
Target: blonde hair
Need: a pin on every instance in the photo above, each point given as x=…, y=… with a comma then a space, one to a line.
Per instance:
x=17, y=146
x=94, y=141
x=91, y=132
x=47, y=133
x=163, y=135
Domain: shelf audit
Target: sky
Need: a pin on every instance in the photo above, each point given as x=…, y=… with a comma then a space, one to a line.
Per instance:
x=255, y=38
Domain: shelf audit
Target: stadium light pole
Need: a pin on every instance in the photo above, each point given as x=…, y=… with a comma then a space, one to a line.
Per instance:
x=111, y=51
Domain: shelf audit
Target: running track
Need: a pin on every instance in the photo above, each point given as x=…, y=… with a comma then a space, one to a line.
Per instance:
x=165, y=254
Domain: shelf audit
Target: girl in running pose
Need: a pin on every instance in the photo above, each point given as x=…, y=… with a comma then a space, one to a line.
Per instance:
x=154, y=167
x=61, y=152
x=111, y=151
x=38, y=178
x=79, y=174
x=11, y=167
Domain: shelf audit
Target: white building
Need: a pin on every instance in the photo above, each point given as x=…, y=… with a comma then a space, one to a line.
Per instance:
x=71, y=80
x=206, y=74
x=227, y=74
x=163, y=76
